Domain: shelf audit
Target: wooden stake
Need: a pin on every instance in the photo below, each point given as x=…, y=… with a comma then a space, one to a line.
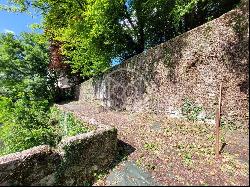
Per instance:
x=217, y=127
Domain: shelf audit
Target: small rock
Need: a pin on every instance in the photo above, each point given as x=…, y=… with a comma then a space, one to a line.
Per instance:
x=210, y=121
x=175, y=114
x=201, y=116
x=156, y=126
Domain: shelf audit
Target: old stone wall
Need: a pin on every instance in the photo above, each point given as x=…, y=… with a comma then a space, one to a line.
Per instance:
x=188, y=68
x=72, y=162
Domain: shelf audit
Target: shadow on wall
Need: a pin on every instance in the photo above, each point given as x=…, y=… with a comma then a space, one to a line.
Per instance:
x=123, y=151
x=77, y=89
x=237, y=62
x=78, y=160
x=191, y=66
x=127, y=83
x=238, y=51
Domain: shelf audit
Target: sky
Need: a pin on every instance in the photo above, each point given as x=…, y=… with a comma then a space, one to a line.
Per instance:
x=19, y=22
x=16, y=22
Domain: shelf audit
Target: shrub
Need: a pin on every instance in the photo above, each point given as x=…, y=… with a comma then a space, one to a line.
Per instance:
x=24, y=125
x=27, y=90
x=56, y=124
x=190, y=110
x=67, y=124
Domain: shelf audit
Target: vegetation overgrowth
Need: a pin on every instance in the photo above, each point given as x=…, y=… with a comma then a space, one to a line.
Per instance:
x=89, y=36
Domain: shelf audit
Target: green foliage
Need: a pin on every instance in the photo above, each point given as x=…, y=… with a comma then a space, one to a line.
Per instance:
x=93, y=32
x=24, y=68
x=18, y=136
x=66, y=123
x=139, y=161
x=26, y=85
x=187, y=159
x=26, y=90
x=151, y=146
x=190, y=110
x=23, y=125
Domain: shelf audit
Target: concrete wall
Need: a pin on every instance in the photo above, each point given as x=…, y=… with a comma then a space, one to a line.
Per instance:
x=72, y=162
x=190, y=66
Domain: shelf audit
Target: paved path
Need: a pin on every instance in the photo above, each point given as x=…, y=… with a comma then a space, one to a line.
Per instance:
x=130, y=175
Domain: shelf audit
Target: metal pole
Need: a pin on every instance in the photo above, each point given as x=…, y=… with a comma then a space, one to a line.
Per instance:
x=217, y=128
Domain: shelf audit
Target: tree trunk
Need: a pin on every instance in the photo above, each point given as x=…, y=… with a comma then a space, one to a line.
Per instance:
x=141, y=25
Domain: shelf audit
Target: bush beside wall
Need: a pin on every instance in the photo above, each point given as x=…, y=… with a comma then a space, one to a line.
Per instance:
x=72, y=162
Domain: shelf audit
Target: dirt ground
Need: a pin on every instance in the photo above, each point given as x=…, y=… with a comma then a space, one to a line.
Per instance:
x=174, y=151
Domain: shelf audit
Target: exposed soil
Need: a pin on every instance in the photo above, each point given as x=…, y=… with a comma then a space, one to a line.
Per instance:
x=174, y=151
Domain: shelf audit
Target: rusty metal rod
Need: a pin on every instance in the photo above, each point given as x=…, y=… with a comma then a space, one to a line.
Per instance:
x=217, y=127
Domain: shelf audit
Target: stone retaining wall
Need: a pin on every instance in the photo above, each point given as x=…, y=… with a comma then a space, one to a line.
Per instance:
x=72, y=162
x=188, y=67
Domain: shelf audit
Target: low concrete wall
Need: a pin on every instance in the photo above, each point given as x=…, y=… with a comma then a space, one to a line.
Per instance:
x=190, y=66
x=72, y=162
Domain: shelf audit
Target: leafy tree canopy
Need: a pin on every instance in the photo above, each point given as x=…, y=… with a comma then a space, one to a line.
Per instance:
x=24, y=67
x=26, y=90
x=93, y=32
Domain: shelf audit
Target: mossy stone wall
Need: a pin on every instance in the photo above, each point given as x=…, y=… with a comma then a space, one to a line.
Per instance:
x=190, y=66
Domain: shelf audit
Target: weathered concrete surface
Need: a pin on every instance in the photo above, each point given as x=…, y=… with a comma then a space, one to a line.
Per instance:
x=130, y=175
x=85, y=154
x=29, y=166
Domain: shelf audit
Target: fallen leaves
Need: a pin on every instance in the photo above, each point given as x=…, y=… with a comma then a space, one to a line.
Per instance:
x=184, y=149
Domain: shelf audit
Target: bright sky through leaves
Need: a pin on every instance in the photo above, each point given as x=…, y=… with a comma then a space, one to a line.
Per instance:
x=16, y=22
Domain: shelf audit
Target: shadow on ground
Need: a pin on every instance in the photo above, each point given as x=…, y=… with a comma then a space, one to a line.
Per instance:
x=123, y=151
